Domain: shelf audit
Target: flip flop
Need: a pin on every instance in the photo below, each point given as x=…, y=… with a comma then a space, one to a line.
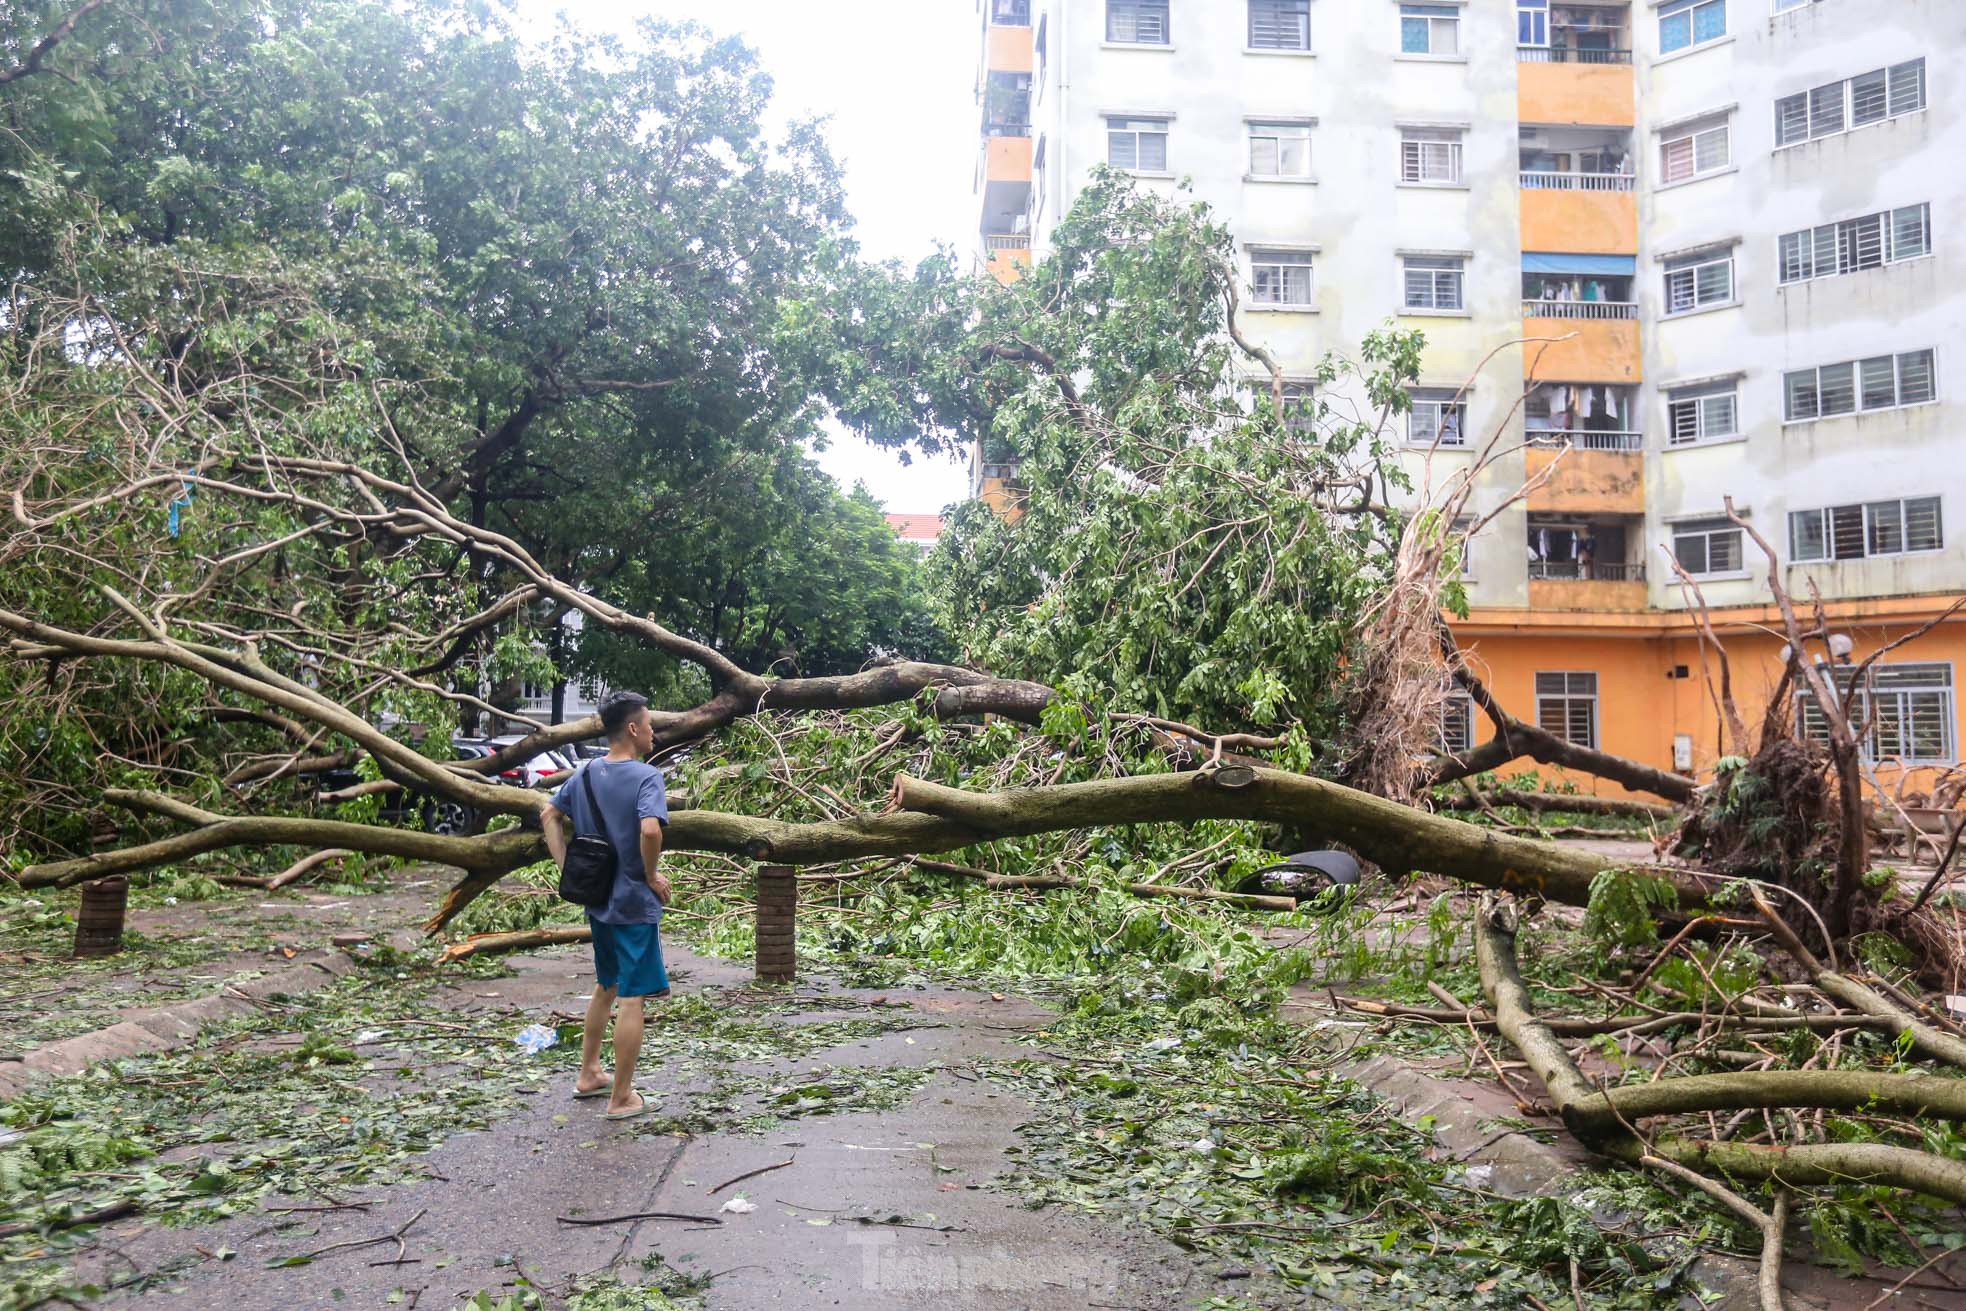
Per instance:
x=601, y=1091
x=637, y=1113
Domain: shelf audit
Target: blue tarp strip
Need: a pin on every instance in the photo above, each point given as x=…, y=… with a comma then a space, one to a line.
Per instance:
x=1609, y=265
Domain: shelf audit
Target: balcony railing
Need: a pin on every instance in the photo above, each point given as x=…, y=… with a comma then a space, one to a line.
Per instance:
x=1006, y=129
x=995, y=241
x=1601, y=571
x=1587, y=439
x=1579, y=309
x=1563, y=55
x=1541, y=180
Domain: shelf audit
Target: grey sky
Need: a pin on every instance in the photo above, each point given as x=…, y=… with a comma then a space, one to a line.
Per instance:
x=896, y=79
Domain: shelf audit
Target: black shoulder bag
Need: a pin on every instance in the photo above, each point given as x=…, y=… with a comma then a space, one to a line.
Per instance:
x=587, y=874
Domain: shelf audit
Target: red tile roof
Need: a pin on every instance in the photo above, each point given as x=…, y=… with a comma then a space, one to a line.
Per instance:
x=916, y=527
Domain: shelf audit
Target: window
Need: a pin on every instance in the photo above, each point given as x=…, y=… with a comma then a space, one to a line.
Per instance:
x=1137, y=144
x=1700, y=414
x=1430, y=155
x=1438, y=413
x=1300, y=406
x=1137, y=22
x=1532, y=22
x=1783, y=5
x=1694, y=151
x=1037, y=181
x=1566, y=705
x=1874, y=384
x=1280, y=277
x=1698, y=280
x=1456, y=724
x=1279, y=24
x=1853, y=532
x=1906, y=711
x=1280, y=150
x=1430, y=29
x=1852, y=244
x=1687, y=23
x=1854, y=102
x=1461, y=535
x=1433, y=282
x=1707, y=546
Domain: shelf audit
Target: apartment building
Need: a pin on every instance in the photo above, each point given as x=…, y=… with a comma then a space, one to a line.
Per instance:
x=1717, y=241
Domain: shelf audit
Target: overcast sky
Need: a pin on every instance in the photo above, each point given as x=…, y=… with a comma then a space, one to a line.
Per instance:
x=896, y=80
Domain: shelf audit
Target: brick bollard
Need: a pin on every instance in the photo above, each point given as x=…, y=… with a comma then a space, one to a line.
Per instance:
x=99, y=919
x=778, y=901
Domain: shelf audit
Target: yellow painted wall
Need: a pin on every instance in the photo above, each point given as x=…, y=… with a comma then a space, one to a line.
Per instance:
x=1596, y=94
x=1008, y=160
x=1005, y=498
x=1009, y=50
x=1580, y=222
x=1588, y=482
x=1590, y=350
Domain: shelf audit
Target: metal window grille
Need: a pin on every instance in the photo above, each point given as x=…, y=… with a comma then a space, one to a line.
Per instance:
x=1433, y=156
x=1695, y=416
x=1698, y=280
x=1707, y=547
x=1139, y=144
x=1911, y=232
x=1457, y=724
x=1905, y=711
x=1566, y=705
x=1137, y=22
x=1853, y=532
x=1433, y=283
x=1280, y=277
x=1907, y=87
x=1437, y=415
x=1280, y=24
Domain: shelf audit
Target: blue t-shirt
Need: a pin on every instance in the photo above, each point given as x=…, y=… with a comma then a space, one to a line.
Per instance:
x=628, y=792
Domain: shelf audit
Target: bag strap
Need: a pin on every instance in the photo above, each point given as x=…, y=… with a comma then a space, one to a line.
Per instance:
x=587, y=786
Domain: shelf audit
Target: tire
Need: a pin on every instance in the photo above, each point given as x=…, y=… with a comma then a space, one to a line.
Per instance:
x=452, y=818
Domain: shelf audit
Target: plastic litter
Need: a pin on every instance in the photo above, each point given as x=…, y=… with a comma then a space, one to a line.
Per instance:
x=1203, y=1146
x=536, y=1038
x=738, y=1206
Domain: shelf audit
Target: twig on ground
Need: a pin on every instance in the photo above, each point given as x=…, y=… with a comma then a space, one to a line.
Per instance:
x=750, y=1174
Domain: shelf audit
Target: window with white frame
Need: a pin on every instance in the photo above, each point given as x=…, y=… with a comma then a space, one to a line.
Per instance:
x=1532, y=22
x=1439, y=414
x=1279, y=24
x=1879, y=383
x=1137, y=144
x=1566, y=705
x=1684, y=24
x=1462, y=537
x=1850, y=245
x=1851, y=103
x=1705, y=547
x=1430, y=29
x=1700, y=279
x=1904, y=711
x=1456, y=724
x=1299, y=402
x=1433, y=282
x=1430, y=155
x=1280, y=277
x=1856, y=532
x=1137, y=22
x=1782, y=6
x=1694, y=150
x=1280, y=150
x=1702, y=414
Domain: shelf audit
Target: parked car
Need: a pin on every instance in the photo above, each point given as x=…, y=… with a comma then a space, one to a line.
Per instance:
x=532, y=772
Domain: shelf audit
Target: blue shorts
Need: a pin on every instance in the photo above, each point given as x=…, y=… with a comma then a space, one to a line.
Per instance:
x=628, y=958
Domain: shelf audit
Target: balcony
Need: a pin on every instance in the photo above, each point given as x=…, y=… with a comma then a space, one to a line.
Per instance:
x=1008, y=49
x=1579, y=309
x=1588, y=481
x=1547, y=180
x=1585, y=562
x=1577, y=69
x=1587, y=213
x=1587, y=439
x=1006, y=255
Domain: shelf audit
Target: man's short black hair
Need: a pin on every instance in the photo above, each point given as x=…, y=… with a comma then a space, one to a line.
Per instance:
x=617, y=708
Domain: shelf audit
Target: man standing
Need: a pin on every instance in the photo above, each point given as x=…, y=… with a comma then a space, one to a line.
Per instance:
x=633, y=809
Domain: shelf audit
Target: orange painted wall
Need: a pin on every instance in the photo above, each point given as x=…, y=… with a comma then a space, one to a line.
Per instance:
x=1580, y=222
x=1586, y=482
x=1585, y=594
x=1640, y=709
x=1592, y=350
x=1008, y=159
x=1005, y=499
x=1595, y=94
x=1008, y=265
x=1010, y=50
